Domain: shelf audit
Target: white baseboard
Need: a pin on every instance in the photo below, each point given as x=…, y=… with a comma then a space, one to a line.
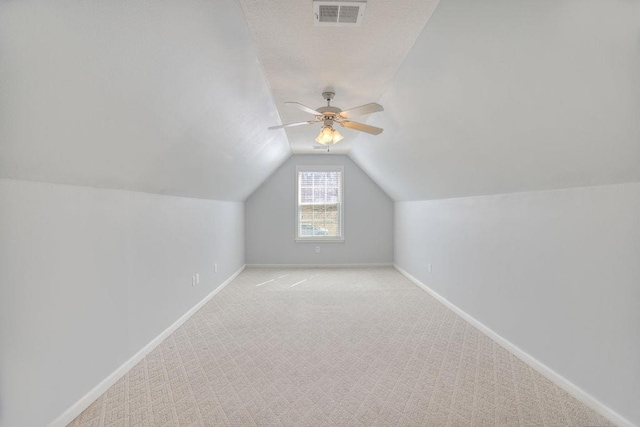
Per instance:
x=375, y=265
x=534, y=363
x=76, y=409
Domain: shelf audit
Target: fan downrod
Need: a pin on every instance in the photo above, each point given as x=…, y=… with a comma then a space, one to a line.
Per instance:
x=328, y=96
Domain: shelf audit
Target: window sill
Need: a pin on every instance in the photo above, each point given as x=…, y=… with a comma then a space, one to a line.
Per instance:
x=320, y=240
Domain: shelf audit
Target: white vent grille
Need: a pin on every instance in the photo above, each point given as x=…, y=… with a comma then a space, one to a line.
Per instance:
x=338, y=13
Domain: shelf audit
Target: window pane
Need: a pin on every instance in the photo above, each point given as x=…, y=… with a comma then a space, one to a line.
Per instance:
x=319, y=203
x=306, y=195
x=319, y=195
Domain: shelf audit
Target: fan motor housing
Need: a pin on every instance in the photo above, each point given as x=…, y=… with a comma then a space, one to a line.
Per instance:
x=330, y=110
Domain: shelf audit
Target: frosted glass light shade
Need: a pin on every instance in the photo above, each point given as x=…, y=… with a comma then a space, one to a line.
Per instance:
x=328, y=135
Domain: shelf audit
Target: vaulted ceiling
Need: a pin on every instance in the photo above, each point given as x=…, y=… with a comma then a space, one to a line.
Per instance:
x=480, y=97
x=506, y=96
x=357, y=63
x=158, y=96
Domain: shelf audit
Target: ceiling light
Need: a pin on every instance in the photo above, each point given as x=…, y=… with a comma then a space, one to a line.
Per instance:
x=328, y=135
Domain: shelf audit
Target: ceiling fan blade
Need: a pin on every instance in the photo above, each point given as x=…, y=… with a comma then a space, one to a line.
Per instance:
x=305, y=108
x=361, y=127
x=289, y=125
x=361, y=110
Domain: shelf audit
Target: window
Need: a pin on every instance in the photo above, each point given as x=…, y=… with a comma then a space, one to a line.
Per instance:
x=319, y=203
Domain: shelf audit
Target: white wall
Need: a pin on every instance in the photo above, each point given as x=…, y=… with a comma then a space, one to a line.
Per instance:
x=557, y=273
x=90, y=276
x=507, y=96
x=271, y=214
x=151, y=97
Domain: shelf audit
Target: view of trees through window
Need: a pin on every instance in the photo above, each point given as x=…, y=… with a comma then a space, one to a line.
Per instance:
x=319, y=199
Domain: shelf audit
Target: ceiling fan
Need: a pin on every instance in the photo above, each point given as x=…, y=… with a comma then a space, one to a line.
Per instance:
x=329, y=115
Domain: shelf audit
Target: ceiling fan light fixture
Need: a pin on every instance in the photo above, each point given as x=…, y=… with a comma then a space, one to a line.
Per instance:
x=336, y=136
x=329, y=116
x=328, y=135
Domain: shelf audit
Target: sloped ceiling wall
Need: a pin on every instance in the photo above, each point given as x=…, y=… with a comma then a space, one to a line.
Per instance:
x=170, y=97
x=501, y=96
x=155, y=96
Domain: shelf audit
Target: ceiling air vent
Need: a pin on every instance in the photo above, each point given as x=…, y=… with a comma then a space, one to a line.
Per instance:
x=338, y=13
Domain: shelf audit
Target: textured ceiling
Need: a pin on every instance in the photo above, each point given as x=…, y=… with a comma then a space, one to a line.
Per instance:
x=357, y=63
x=175, y=97
x=157, y=96
x=501, y=96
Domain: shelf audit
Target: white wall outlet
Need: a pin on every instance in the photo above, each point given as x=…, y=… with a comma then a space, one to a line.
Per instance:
x=430, y=269
x=317, y=249
x=197, y=278
x=215, y=268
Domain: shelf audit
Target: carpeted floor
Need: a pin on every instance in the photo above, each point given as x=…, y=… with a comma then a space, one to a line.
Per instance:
x=331, y=347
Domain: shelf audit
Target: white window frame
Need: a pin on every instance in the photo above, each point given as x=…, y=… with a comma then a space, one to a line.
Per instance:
x=319, y=168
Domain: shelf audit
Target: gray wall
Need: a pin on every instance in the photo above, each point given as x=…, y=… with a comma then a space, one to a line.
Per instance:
x=90, y=276
x=557, y=273
x=271, y=214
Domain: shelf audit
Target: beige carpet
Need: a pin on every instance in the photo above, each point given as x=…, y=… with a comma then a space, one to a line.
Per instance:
x=331, y=347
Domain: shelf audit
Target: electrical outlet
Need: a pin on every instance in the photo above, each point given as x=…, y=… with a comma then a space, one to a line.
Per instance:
x=430, y=269
x=215, y=268
x=197, y=278
x=317, y=249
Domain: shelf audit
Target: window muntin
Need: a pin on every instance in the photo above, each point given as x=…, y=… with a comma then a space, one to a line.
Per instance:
x=319, y=199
